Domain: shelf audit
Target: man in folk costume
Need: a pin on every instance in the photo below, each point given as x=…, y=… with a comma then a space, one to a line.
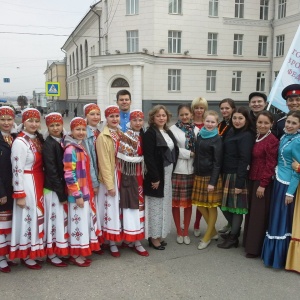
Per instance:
x=124, y=102
x=131, y=169
x=7, y=116
x=28, y=181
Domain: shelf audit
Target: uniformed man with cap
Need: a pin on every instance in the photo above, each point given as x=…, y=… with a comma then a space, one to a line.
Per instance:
x=291, y=94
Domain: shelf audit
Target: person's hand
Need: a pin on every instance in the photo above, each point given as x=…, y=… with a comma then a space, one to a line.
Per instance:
x=111, y=192
x=288, y=200
x=155, y=185
x=80, y=202
x=96, y=189
x=260, y=192
x=192, y=154
x=3, y=200
x=237, y=191
x=210, y=188
x=295, y=165
x=21, y=202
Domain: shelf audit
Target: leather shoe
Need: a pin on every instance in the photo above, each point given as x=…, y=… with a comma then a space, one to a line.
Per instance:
x=73, y=261
x=202, y=245
x=12, y=263
x=99, y=252
x=163, y=243
x=5, y=269
x=141, y=253
x=31, y=267
x=215, y=237
x=160, y=247
x=60, y=264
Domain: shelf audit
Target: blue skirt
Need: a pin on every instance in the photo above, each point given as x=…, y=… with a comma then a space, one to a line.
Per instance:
x=278, y=236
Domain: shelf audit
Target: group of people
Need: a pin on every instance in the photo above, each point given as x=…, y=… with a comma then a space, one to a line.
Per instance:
x=66, y=195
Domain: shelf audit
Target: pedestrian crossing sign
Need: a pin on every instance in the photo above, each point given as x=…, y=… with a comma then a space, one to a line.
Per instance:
x=53, y=89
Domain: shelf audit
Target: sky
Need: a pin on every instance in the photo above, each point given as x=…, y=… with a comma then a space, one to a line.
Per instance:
x=23, y=57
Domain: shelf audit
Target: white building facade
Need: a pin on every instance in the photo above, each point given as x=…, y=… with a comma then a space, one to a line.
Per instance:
x=171, y=51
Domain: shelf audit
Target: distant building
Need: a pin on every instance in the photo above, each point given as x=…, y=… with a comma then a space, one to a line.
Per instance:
x=56, y=72
x=170, y=51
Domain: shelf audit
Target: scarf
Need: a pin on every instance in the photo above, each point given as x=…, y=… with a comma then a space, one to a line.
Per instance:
x=188, y=129
x=206, y=134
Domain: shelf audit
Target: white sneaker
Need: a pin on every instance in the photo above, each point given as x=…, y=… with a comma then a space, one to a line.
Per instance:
x=197, y=232
x=202, y=245
x=186, y=240
x=179, y=239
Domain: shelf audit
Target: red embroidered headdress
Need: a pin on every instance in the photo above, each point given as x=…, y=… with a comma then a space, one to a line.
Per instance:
x=112, y=109
x=77, y=122
x=7, y=111
x=29, y=113
x=54, y=118
x=90, y=107
x=136, y=114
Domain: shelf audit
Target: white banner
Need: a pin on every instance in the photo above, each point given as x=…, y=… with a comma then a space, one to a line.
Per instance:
x=288, y=74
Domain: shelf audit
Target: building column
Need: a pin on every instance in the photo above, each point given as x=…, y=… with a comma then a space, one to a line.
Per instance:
x=101, y=91
x=136, y=90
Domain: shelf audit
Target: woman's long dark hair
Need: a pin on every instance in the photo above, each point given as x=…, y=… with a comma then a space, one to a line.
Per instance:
x=245, y=112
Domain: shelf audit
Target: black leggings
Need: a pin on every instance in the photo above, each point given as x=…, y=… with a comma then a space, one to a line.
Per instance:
x=235, y=221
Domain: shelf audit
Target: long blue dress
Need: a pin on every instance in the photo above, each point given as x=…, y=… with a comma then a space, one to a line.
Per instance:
x=278, y=236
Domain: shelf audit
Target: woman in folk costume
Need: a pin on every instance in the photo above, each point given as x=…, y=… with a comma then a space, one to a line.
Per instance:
x=130, y=166
x=28, y=182
x=107, y=146
x=82, y=221
x=278, y=236
x=7, y=117
x=293, y=256
x=55, y=197
x=93, y=117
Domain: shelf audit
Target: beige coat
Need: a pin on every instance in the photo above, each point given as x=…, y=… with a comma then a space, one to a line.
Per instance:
x=106, y=158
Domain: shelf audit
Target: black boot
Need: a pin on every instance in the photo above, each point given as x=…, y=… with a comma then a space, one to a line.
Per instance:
x=225, y=236
x=231, y=241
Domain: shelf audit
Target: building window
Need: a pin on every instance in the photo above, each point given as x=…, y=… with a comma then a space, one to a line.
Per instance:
x=174, y=41
x=77, y=65
x=174, y=77
x=132, y=7
x=211, y=78
x=236, y=81
x=87, y=86
x=281, y=9
x=280, y=45
x=175, y=6
x=239, y=9
x=264, y=9
x=262, y=45
x=81, y=58
x=132, y=41
x=93, y=50
x=119, y=83
x=70, y=65
x=106, y=44
x=86, y=50
x=82, y=87
x=238, y=44
x=212, y=43
x=93, y=86
x=275, y=74
x=73, y=60
x=75, y=88
x=213, y=10
x=261, y=81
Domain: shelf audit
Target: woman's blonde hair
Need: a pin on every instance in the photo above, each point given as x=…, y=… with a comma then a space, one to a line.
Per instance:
x=211, y=113
x=199, y=101
x=154, y=111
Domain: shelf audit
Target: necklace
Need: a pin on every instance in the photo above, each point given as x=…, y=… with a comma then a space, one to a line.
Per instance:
x=263, y=137
x=8, y=139
x=223, y=130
